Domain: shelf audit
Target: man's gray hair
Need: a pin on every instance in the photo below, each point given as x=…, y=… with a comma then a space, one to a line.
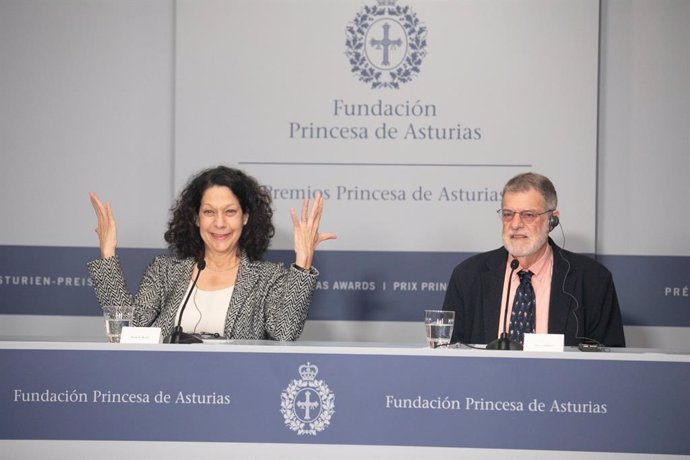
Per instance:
x=532, y=181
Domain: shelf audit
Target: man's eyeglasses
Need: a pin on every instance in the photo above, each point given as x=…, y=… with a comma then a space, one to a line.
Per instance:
x=527, y=217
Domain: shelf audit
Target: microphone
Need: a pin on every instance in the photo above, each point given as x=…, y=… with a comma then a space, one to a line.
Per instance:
x=178, y=335
x=503, y=342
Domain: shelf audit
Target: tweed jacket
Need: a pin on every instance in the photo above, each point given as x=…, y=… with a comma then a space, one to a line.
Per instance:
x=269, y=300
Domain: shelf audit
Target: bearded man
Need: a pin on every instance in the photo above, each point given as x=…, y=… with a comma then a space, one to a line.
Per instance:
x=552, y=290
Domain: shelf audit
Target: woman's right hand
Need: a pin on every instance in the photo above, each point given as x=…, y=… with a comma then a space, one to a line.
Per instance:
x=106, y=229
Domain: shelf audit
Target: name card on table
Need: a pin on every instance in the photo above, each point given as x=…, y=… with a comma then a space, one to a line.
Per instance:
x=544, y=342
x=140, y=335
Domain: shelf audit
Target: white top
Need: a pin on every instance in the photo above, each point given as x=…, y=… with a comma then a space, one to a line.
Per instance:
x=206, y=310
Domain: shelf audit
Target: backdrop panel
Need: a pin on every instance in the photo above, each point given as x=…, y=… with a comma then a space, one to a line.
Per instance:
x=407, y=117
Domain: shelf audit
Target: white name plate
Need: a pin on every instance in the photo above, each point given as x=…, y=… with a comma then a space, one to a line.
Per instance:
x=544, y=342
x=140, y=335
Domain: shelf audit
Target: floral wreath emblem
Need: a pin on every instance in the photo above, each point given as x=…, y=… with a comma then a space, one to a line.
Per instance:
x=385, y=44
x=307, y=404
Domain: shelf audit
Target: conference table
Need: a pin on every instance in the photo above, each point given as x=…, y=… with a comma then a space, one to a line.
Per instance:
x=262, y=399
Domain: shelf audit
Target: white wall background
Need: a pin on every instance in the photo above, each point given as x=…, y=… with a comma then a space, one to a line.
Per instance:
x=87, y=104
x=86, y=91
x=644, y=128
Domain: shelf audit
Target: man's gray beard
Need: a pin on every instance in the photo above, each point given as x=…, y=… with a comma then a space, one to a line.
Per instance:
x=533, y=248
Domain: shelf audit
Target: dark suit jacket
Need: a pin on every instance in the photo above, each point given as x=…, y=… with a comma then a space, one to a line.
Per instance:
x=583, y=301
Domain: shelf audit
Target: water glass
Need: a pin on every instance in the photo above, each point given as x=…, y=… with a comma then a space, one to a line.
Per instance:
x=117, y=317
x=439, y=327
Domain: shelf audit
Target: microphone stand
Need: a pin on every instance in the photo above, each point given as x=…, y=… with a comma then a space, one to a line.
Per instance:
x=178, y=335
x=503, y=342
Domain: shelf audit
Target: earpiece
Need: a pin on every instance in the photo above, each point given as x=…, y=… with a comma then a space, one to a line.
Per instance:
x=553, y=222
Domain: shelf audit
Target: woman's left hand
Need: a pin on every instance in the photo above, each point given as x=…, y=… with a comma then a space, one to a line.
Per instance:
x=306, y=230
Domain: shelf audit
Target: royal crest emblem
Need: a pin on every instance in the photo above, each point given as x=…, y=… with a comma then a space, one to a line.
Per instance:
x=385, y=44
x=307, y=404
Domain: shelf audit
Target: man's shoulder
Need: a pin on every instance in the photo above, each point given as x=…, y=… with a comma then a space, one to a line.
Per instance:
x=483, y=261
x=579, y=262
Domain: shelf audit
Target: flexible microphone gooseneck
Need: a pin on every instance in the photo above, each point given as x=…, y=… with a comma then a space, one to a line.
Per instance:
x=178, y=335
x=503, y=342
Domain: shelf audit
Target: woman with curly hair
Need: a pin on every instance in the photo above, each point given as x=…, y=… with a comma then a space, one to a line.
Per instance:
x=219, y=230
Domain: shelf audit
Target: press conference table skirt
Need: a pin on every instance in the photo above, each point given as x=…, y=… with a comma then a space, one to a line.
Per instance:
x=61, y=399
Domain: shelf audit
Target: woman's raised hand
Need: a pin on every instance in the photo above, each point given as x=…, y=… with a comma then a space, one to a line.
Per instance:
x=106, y=228
x=306, y=230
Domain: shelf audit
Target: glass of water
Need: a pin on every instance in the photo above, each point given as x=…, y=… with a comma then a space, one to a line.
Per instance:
x=117, y=317
x=439, y=327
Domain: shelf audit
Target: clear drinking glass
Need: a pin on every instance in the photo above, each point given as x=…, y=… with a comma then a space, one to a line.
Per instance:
x=117, y=317
x=439, y=327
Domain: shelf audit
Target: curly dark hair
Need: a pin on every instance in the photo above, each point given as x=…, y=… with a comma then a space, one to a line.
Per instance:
x=183, y=236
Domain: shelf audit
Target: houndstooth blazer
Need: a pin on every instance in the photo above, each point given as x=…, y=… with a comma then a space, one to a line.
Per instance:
x=269, y=300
